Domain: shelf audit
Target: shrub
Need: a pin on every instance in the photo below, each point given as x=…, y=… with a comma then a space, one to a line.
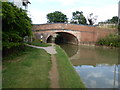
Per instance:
x=111, y=40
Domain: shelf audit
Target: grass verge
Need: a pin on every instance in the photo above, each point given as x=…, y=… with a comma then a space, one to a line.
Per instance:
x=68, y=77
x=29, y=70
x=39, y=44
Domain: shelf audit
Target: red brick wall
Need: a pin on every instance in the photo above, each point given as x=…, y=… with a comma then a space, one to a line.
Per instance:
x=88, y=33
x=101, y=33
x=63, y=26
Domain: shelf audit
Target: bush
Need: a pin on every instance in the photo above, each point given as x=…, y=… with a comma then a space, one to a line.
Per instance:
x=39, y=44
x=111, y=40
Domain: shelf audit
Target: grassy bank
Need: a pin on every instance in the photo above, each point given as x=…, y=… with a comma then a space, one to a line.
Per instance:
x=111, y=40
x=29, y=70
x=39, y=44
x=68, y=77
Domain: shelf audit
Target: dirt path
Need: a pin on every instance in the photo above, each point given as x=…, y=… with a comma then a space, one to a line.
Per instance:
x=54, y=75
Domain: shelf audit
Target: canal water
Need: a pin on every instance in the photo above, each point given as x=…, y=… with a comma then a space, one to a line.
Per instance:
x=97, y=66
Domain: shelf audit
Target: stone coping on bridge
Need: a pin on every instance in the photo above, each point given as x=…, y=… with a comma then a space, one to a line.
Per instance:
x=66, y=23
x=66, y=26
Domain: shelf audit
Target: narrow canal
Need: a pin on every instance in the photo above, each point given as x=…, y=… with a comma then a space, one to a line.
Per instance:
x=97, y=66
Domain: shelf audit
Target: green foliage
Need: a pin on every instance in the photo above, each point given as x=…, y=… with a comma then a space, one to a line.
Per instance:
x=56, y=17
x=16, y=25
x=111, y=40
x=39, y=44
x=78, y=18
x=113, y=20
x=119, y=28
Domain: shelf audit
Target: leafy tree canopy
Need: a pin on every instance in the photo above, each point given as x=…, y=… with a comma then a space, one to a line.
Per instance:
x=16, y=25
x=78, y=18
x=56, y=17
x=113, y=20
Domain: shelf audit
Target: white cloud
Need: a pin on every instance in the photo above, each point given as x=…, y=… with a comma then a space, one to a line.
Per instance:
x=107, y=12
x=68, y=2
x=111, y=82
x=95, y=75
x=103, y=13
x=38, y=17
x=63, y=2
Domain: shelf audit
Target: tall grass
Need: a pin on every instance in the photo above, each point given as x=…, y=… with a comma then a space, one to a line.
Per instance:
x=111, y=40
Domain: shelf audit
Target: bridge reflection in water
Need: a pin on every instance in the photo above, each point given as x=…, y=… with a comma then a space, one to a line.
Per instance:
x=97, y=66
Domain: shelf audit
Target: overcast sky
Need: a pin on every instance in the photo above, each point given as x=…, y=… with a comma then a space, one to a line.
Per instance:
x=104, y=9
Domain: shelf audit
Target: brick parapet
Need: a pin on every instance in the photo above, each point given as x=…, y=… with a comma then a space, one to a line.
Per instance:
x=87, y=33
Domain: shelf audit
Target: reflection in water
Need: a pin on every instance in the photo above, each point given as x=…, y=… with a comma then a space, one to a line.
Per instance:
x=98, y=77
x=71, y=50
x=97, y=66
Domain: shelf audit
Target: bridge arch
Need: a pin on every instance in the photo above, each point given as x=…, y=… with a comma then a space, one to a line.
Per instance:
x=49, y=39
x=62, y=37
x=77, y=34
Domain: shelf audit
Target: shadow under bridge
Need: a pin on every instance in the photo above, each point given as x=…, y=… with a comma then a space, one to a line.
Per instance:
x=62, y=37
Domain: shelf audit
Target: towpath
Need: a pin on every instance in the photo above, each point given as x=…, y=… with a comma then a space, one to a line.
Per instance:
x=54, y=75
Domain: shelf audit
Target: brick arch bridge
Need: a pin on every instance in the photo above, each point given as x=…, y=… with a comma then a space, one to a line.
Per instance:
x=69, y=33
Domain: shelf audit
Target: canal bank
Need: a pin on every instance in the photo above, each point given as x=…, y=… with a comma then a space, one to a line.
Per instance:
x=62, y=73
x=31, y=70
x=69, y=78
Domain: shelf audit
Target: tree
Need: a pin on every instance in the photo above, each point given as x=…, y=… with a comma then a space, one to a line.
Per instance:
x=92, y=19
x=119, y=28
x=78, y=18
x=16, y=25
x=114, y=20
x=57, y=17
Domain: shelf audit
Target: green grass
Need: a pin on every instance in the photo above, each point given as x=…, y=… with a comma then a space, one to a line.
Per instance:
x=14, y=53
x=39, y=44
x=29, y=70
x=68, y=77
x=111, y=40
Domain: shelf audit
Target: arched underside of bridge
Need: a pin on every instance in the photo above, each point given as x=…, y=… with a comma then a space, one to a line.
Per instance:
x=50, y=39
x=63, y=37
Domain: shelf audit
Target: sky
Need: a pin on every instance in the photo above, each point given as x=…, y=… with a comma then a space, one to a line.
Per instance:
x=103, y=9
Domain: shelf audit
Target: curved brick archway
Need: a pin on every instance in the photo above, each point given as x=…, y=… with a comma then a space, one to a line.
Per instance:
x=47, y=34
x=62, y=37
x=50, y=39
x=83, y=33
